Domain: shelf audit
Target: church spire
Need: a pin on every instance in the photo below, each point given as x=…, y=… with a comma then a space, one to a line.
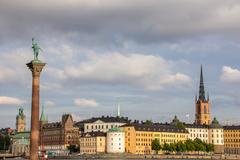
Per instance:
x=43, y=116
x=201, y=87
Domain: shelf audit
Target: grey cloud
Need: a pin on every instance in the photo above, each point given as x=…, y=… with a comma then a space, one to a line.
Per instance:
x=115, y=22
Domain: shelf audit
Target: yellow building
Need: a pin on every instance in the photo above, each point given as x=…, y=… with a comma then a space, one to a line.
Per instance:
x=92, y=143
x=139, y=137
x=232, y=139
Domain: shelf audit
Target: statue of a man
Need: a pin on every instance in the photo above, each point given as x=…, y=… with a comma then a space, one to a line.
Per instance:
x=36, y=49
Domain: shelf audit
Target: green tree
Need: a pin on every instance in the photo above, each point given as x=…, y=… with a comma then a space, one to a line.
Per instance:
x=166, y=147
x=172, y=147
x=181, y=147
x=209, y=147
x=148, y=122
x=190, y=145
x=156, y=145
x=7, y=142
x=73, y=148
x=1, y=142
x=199, y=145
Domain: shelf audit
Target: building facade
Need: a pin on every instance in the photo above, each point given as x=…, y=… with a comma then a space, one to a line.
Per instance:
x=202, y=115
x=20, y=121
x=212, y=134
x=232, y=139
x=216, y=136
x=56, y=137
x=115, y=140
x=101, y=124
x=198, y=131
x=92, y=143
x=139, y=137
x=21, y=144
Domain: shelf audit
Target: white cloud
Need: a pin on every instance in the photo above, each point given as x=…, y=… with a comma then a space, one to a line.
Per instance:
x=82, y=102
x=230, y=75
x=49, y=103
x=6, y=74
x=76, y=118
x=4, y=100
x=50, y=86
x=148, y=71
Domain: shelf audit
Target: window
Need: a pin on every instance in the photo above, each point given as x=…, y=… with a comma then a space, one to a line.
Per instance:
x=205, y=109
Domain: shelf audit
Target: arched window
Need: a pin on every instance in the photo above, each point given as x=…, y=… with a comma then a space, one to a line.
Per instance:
x=205, y=109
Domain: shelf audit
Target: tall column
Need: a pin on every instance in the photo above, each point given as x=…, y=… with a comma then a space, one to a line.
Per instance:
x=36, y=68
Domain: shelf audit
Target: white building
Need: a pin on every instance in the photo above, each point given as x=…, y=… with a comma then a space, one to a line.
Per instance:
x=101, y=124
x=216, y=136
x=116, y=140
x=198, y=131
x=212, y=134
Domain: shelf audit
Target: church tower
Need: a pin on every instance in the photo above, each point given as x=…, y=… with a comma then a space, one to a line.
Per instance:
x=202, y=115
x=20, y=121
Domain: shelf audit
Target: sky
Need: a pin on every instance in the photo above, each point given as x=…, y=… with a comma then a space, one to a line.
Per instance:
x=143, y=55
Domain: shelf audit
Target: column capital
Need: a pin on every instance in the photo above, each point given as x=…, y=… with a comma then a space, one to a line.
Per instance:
x=35, y=67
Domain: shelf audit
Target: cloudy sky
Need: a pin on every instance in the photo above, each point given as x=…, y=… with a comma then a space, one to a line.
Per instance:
x=144, y=55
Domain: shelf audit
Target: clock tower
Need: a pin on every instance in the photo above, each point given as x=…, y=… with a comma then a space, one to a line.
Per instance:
x=202, y=115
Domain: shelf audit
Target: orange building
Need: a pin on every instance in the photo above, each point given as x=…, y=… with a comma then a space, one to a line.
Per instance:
x=202, y=115
x=232, y=139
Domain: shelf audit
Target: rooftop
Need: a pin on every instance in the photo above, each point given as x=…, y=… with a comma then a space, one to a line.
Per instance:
x=196, y=126
x=94, y=134
x=106, y=119
x=155, y=127
x=115, y=129
x=233, y=127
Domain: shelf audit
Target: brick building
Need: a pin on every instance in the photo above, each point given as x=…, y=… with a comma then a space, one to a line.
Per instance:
x=57, y=136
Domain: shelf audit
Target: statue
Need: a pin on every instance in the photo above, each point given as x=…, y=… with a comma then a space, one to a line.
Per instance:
x=20, y=112
x=36, y=49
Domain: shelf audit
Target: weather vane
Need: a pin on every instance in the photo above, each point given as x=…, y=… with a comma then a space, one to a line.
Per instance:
x=36, y=49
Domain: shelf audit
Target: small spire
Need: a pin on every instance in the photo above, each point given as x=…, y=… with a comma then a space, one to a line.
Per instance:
x=118, y=110
x=43, y=117
x=201, y=87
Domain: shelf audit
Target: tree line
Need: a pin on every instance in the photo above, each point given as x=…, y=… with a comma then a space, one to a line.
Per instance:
x=4, y=142
x=188, y=145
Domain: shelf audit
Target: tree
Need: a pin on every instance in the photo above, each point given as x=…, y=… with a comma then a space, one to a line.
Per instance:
x=209, y=147
x=190, y=145
x=7, y=142
x=156, y=145
x=1, y=142
x=180, y=147
x=172, y=147
x=166, y=147
x=149, y=122
x=73, y=148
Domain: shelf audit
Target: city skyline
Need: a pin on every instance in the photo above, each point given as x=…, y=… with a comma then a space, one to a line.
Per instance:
x=146, y=56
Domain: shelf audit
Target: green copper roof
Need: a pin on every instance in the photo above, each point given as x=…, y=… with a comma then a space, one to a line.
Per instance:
x=20, y=113
x=115, y=129
x=20, y=135
x=215, y=123
x=43, y=117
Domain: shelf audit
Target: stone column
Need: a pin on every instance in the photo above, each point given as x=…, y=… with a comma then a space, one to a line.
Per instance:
x=36, y=68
